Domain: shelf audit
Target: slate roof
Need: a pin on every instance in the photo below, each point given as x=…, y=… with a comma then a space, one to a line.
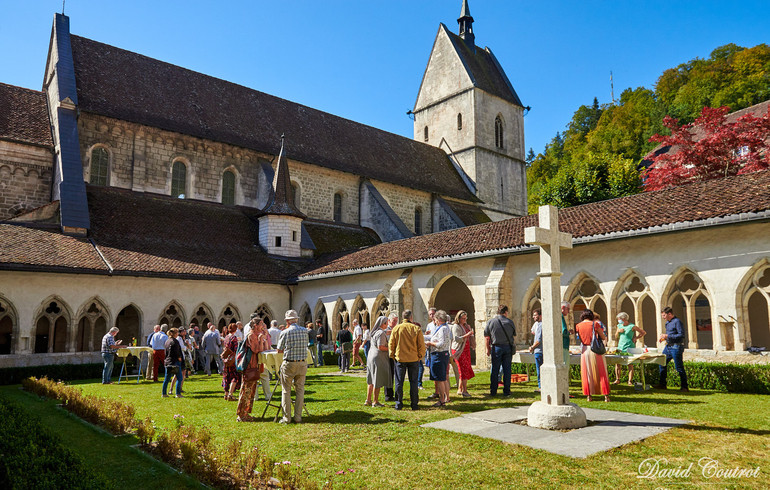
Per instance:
x=484, y=69
x=329, y=237
x=699, y=201
x=24, y=116
x=124, y=85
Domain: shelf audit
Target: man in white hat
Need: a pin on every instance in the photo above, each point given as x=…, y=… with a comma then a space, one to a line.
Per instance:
x=293, y=343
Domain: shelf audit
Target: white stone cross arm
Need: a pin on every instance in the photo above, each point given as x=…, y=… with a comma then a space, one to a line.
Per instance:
x=548, y=236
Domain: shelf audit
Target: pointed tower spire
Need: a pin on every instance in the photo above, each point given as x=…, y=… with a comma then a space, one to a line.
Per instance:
x=466, y=26
x=282, y=202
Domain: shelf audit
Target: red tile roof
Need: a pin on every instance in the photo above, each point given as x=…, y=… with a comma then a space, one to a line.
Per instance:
x=48, y=249
x=155, y=235
x=24, y=116
x=699, y=201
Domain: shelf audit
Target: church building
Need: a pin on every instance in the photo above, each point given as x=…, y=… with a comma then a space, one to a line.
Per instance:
x=134, y=192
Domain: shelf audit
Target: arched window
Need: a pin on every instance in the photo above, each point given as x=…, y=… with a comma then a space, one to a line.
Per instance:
x=338, y=207
x=172, y=315
x=7, y=324
x=264, y=312
x=100, y=165
x=90, y=327
x=417, y=221
x=52, y=328
x=459, y=121
x=228, y=188
x=499, y=132
x=295, y=194
x=425, y=133
x=178, y=179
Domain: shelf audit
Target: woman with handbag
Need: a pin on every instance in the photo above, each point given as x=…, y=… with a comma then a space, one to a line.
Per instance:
x=593, y=368
x=462, y=344
x=232, y=378
x=247, y=361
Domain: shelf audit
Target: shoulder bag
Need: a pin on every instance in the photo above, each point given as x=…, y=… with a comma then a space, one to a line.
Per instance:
x=597, y=346
x=510, y=341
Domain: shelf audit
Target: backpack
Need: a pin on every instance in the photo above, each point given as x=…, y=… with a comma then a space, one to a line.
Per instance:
x=243, y=357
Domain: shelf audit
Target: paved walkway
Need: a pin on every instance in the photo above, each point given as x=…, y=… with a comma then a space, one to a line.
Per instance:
x=606, y=430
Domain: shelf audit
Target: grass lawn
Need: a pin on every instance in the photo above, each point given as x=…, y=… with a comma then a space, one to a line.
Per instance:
x=388, y=448
x=112, y=456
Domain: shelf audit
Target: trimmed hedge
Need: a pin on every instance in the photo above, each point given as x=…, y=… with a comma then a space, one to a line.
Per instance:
x=63, y=372
x=33, y=457
x=733, y=378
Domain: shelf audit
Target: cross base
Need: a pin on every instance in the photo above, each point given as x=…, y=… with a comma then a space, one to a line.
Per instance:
x=556, y=417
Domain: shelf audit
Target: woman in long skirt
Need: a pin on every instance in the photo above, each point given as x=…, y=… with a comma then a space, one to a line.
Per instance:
x=461, y=350
x=593, y=368
x=257, y=340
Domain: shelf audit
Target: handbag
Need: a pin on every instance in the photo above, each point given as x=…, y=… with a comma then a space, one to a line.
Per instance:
x=347, y=347
x=253, y=374
x=597, y=346
x=228, y=357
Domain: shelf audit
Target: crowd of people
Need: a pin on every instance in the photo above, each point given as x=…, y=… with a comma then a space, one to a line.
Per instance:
x=394, y=352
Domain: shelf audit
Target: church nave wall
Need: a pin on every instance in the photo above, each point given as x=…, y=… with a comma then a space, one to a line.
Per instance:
x=25, y=178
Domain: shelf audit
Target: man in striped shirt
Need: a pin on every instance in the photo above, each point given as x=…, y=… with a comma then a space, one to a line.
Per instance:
x=293, y=343
x=108, y=353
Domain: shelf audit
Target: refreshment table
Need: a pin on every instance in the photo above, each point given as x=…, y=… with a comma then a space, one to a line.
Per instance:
x=637, y=356
x=137, y=352
x=272, y=359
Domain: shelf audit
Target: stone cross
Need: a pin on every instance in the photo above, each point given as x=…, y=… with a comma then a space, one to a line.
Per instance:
x=554, y=410
x=550, y=240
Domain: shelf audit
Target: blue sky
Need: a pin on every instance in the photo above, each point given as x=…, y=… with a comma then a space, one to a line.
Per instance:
x=364, y=59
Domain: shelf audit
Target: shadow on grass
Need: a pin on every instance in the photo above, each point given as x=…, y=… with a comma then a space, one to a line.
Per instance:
x=731, y=430
x=352, y=417
x=621, y=398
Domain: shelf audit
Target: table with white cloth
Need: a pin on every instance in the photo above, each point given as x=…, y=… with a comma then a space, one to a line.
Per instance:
x=272, y=359
x=137, y=352
x=637, y=356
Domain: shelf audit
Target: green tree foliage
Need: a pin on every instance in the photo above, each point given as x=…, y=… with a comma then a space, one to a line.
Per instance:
x=596, y=157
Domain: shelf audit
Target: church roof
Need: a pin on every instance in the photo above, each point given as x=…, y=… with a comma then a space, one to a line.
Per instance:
x=711, y=203
x=143, y=234
x=484, y=69
x=24, y=116
x=124, y=85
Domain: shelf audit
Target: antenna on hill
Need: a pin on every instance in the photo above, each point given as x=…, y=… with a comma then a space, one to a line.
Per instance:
x=612, y=88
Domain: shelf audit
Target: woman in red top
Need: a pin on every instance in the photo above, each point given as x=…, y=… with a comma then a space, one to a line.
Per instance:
x=593, y=369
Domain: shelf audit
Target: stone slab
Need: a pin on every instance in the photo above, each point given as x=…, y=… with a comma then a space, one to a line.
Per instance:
x=500, y=415
x=608, y=429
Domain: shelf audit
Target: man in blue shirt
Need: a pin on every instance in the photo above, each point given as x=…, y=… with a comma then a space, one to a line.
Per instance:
x=537, y=345
x=674, y=349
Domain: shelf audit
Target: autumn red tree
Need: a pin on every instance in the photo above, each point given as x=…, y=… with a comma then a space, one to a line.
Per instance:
x=709, y=148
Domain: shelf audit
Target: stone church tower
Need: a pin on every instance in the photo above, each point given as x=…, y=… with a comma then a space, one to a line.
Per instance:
x=467, y=106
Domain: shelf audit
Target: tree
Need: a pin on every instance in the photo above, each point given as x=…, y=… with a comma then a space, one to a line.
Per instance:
x=709, y=148
x=530, y=156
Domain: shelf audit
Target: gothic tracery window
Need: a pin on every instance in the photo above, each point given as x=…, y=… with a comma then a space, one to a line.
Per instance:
x=499, y=141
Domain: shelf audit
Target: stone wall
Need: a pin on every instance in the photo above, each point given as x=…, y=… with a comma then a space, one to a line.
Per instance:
x=141, y=159
x=317, y=188
x=25, y=178
x=27, y=293
x=404, y=201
